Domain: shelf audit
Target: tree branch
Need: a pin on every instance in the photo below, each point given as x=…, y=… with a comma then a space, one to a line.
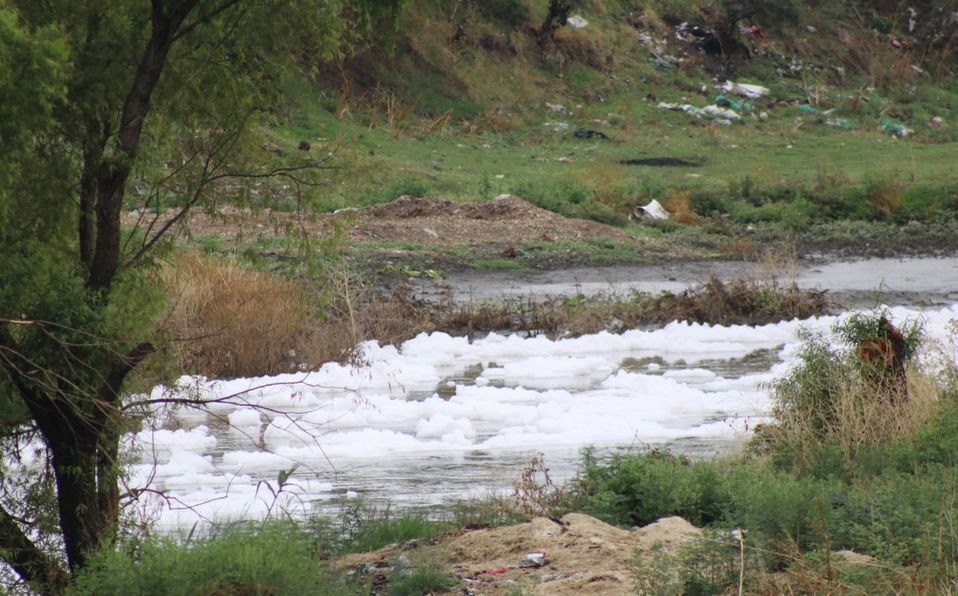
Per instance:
x=34, y=566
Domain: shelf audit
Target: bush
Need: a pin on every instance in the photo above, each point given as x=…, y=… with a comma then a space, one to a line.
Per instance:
x=512, y=13
x=852, y=395
x=638, y=489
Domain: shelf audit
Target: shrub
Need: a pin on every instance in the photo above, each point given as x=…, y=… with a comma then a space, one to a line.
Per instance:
x=845, y=395
x=638, y=489
x=512, y=13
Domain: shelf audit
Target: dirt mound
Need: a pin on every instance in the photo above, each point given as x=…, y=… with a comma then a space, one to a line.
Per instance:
x=505, y=220
x=408, y=206
x=582, y=555
x=502, y=207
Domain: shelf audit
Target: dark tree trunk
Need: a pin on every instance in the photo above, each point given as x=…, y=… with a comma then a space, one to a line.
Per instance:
x=112, y=174
x=557, y=16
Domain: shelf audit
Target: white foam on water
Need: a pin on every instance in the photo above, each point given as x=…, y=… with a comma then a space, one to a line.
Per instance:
x=365, y=427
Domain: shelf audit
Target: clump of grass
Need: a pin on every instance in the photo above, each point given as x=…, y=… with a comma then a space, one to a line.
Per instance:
x=362, y=527
x=884, y=196
x=738, y=302
x=428, y=578
x=278, y=558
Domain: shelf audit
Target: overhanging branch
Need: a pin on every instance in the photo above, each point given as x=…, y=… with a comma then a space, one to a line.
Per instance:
x=37, y=568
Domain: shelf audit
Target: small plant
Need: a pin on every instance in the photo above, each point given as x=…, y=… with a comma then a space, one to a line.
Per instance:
x=535, y=493
x=429, y=578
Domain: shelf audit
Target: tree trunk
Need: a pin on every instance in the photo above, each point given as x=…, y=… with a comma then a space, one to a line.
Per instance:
x=557, y=16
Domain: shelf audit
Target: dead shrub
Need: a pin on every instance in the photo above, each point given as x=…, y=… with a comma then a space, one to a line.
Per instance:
x=233, y=321
x=678, y=205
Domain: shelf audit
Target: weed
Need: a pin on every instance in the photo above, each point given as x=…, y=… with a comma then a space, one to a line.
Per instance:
x=425, y=579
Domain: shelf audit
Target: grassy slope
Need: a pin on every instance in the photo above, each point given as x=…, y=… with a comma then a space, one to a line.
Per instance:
x=464, y=122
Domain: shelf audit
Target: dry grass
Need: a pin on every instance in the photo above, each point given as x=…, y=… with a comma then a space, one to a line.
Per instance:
x=884, y=196
x=678, y=205
x=233, y=321
x=860, y=417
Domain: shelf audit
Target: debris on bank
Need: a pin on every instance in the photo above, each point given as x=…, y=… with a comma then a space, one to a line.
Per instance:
x=576, y=554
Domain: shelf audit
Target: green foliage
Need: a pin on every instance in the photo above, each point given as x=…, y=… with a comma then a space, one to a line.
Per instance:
x=639, y=489
x=274, y=559
x=512, y=13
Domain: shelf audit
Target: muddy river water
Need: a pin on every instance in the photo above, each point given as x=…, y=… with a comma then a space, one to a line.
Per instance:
x=862, y=283
x=443, y=418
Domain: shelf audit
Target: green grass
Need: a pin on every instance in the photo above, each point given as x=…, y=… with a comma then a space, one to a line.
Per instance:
x=275, y=559
x=790, y=169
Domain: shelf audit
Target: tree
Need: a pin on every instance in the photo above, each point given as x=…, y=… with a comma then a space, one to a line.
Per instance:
x=557, y=16
x=94, y=98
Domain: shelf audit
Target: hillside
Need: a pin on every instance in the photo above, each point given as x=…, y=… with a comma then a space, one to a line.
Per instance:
x=468, y=100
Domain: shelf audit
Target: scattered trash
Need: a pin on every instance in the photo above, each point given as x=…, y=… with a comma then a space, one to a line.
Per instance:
x=753, y=31
x=938, y=122
x=577, y=22
x=840, y=123
x=661, y=162
x=701, y=37
x=895, y=128
x=654, y=210
x=557, y=126
x=745, y=89
x=721, y=113
x=714, y=111
x=497, y=570
x=734, y=104
x=585, y=133
x=722, y=122
x=808, y=109
x=537, y=559
x=558, y=108
x=565, y=160
x=664, y=62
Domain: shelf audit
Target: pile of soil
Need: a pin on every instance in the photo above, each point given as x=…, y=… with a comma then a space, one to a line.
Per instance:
x=583, y=555
x=504, y=220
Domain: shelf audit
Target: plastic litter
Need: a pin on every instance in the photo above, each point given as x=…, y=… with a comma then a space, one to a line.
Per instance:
x=734, y=104
x=577, y=22
x=537, y=559
x=895, y=128
x=587, y=133
x=840, y=123
x=713, y=111
x=938, y=122
x=745, y=89
x=654, y=210
x=497, y=570
x=721, y=113
x=808, y=109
